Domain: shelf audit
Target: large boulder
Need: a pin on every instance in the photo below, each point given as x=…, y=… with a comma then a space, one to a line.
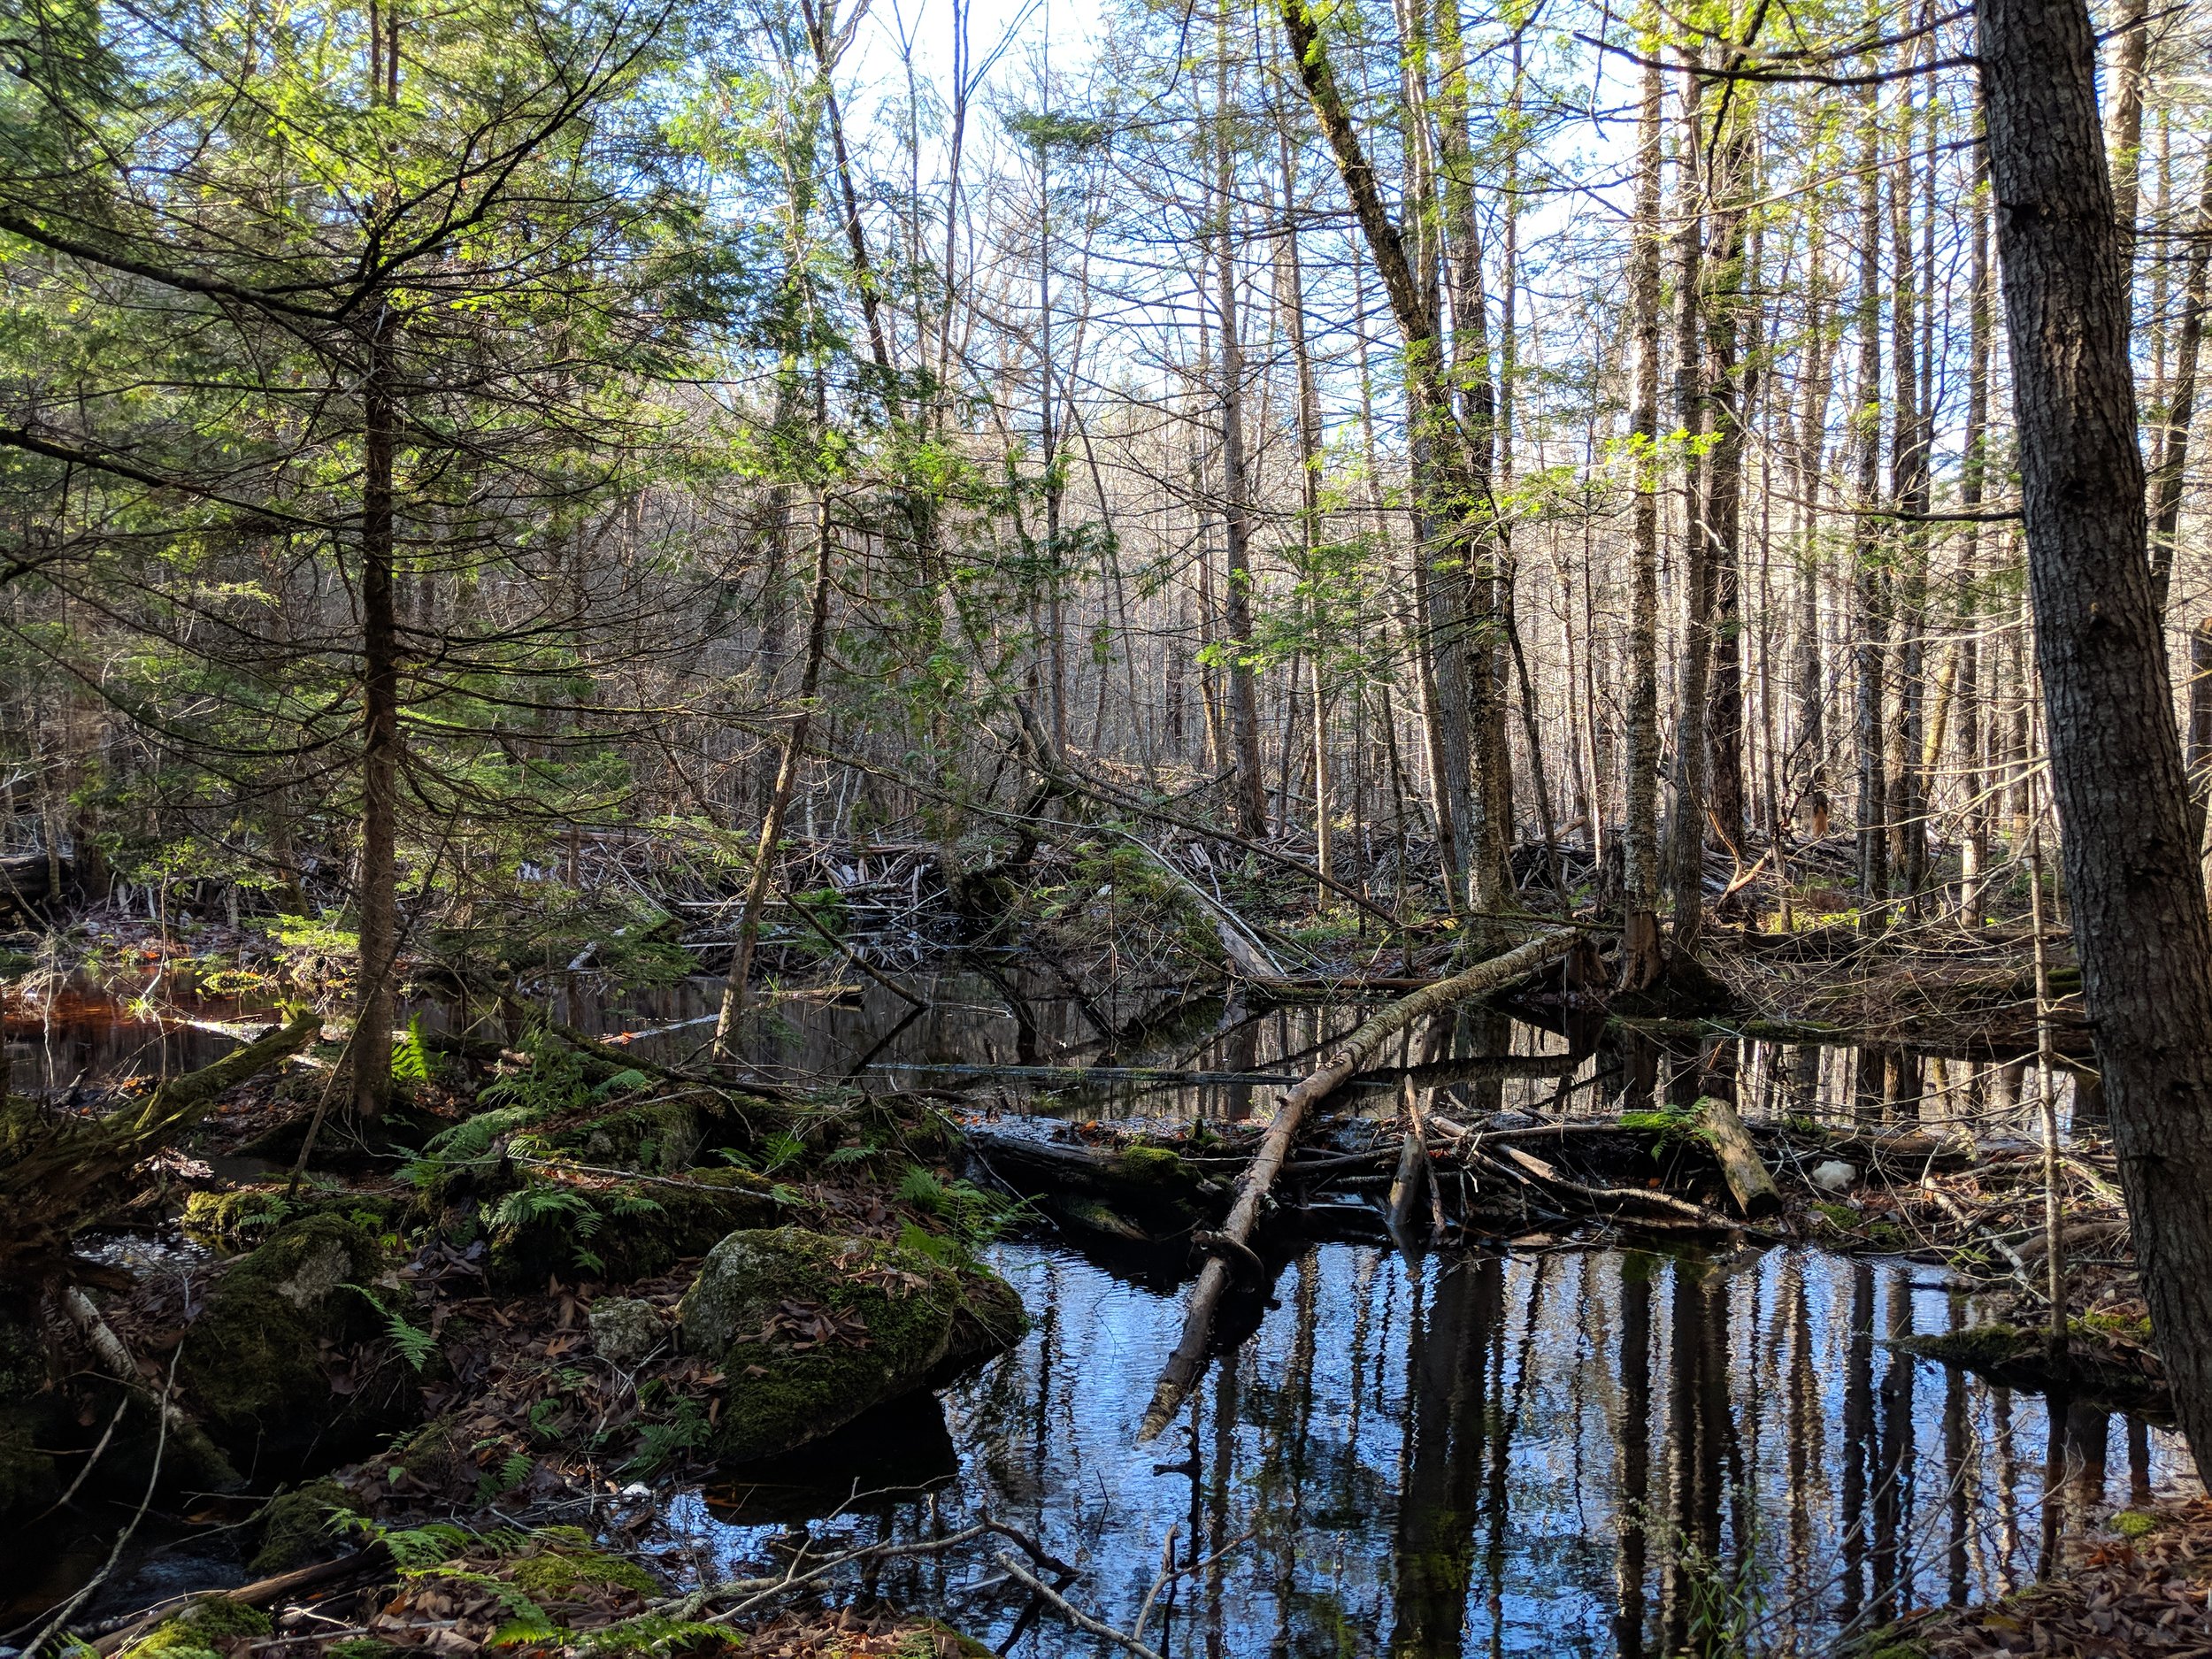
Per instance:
x=812, y=1331
x=291, y=1347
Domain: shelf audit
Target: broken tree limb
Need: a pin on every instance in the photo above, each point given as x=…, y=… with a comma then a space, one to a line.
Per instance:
x=1189, y=1358
x=1748, y=1181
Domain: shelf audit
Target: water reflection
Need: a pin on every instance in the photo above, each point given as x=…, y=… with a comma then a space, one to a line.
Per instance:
x=970, y=1020
x=1588, y=1452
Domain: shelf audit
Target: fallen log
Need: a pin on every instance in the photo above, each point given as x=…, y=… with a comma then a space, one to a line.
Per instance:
x=1189, y=1357
x=1748, y=1182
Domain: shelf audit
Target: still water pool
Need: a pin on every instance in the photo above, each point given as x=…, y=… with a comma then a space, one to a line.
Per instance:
x=1578, y=1451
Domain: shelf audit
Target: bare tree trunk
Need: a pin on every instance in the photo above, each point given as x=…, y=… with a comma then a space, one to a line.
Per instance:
x=1810, y=742
x=1973, y=475
x=1236, y=511
x=1728, y=395
x=2135, y=892
x=1869, y=622
x=2123, y=134
x=1908, y=489
x=787, y=785
x=1309, y=504
x=2181, y=406
x=1452, y=526
x=1686, y=821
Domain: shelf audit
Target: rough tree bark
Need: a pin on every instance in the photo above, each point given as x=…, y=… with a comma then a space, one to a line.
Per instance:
x=1640, y=957
x=1869, y=618
x=2138, y=907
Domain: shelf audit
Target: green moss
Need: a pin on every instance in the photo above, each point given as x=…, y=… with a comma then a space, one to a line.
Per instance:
x=2135, y=1329
x=662, y=1135
x=1151, y=1164
x=936, y=1640
x=1976, y=1348
x=249, y=1364
x=1842, y=1217
x=295, y=1528
x=361, y=1648
x=2134, y=1523
x=200, y=1629
x=899, y=1321
x=562, y=1564
x=243, y=1216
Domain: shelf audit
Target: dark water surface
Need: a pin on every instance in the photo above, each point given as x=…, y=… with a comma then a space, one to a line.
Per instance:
x=1581, y=1451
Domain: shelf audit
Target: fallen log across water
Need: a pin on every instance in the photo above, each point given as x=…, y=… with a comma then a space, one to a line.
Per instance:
x=1189, y=1358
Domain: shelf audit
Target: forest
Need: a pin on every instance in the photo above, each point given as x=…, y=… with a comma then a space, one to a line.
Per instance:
x=876, y=829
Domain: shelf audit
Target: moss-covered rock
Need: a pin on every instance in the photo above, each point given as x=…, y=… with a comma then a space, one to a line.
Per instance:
x=622, y=1231
x=812, y=1331
x=663, y=1136
x=624, y=1330
x=295, y=1528
x=252, y=1367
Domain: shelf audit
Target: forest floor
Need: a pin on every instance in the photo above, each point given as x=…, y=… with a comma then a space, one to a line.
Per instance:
x=2140, y=1589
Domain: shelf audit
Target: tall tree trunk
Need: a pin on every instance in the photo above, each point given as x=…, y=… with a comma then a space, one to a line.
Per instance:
x=1870, y=621
x=1452, y=524
x=1686, y=821
x=1973, y=476
x=793, y=757
x=1908, y=489
x=2181, y=405
x=1309, y=504
x=2123, y=134
x=376, y=995
x=1489, y=569
x=2137, y=895
x=1728, y=396
x=1640, y=816
x=1236, y=508
x=1809, y=742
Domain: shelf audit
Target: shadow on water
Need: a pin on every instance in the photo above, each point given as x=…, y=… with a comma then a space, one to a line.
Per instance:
x=1580, y=1451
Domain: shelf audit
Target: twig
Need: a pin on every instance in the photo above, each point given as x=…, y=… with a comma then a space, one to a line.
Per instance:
x=1068, y=1610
